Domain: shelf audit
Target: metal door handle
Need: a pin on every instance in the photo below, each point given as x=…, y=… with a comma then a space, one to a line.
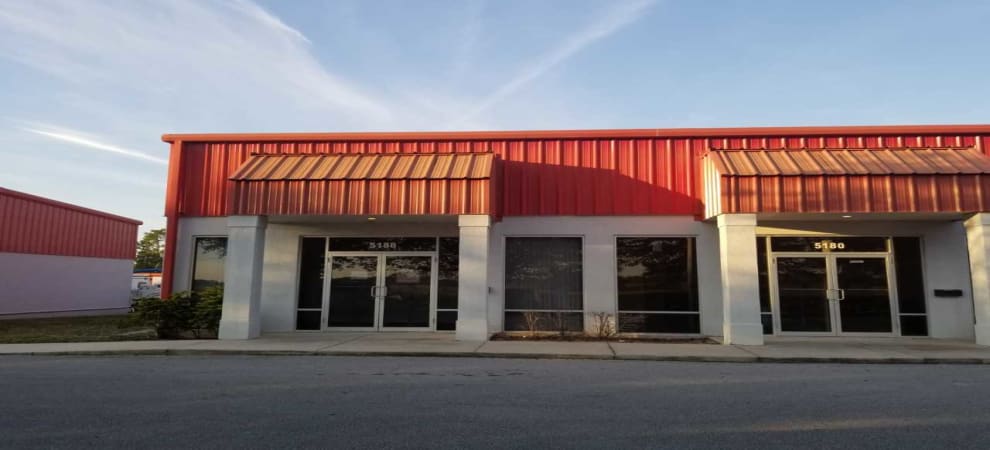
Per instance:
x=842, y=294
x=374, y=291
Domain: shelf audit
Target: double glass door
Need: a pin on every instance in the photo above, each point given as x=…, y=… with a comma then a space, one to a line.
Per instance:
x=381, y=291
x=833, y=294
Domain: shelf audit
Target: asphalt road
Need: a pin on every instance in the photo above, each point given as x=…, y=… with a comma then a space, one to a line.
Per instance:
x=355, y=402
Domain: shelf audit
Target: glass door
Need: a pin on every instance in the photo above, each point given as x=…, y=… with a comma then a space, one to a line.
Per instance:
x=833, y=294
x=353, y=291
x=803, y=294
x=864, y=294
x=381, y=291
x=407, y=300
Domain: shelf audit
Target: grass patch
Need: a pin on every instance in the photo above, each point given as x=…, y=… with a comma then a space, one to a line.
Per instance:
x=73, y=329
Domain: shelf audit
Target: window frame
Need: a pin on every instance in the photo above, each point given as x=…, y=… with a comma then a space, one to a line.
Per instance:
x=298, y=283
x=192, y=256
x=584, y=281
x=438, y=309
x=697, y=288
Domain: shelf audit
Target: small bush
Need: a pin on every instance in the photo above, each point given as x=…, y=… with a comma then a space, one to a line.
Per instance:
x=206, y=314
x=182, y=314
x=603, y=325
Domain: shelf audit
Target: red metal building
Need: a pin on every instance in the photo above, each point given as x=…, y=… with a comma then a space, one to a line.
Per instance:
x=782, y=178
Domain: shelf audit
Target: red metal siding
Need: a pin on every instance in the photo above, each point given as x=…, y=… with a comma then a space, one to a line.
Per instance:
x=610, y=172
x=36, y=225
x=542, y=177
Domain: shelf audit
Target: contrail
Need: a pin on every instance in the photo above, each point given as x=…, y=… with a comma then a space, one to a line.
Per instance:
x=98, y=145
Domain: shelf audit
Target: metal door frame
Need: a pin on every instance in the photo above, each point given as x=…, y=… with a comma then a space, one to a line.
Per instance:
x=895, y=329
x=379, y=287
x=832, y=284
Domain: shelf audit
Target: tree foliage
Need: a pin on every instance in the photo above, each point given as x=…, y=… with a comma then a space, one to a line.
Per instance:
x=150, y=249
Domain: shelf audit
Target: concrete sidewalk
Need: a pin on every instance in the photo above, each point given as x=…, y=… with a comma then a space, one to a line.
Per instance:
x=777, y=349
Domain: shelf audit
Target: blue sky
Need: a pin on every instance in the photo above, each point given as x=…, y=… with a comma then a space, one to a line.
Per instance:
x=87, y=88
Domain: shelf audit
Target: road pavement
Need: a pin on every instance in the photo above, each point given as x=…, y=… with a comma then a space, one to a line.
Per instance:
x=338, y=402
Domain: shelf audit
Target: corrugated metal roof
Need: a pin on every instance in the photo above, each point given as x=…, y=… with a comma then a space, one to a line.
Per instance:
x=844, y=180
x=846, y=161
x=37, y=225
x=432, y=166
x=869, y=130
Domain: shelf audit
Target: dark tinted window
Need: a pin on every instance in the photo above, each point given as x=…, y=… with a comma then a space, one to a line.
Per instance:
x=910, y=286
x=446, y=320
x=308, y=320
x=657, y=275
x=447, y=273
x=208, y=262
x=543, y=274
x=312, y=259
x=766, y=314
x=914, y=325
x=658, y=323
x=544, y=321
x=910, y=280
x=762, y=268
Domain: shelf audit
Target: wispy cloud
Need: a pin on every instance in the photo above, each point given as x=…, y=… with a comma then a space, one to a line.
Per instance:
x=83, y=141
x=265, y=17
x=232, y=51
x=611, y=22
x=469, y=35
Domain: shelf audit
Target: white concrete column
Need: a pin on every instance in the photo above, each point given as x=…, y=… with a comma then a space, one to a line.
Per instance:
x=740, y=280
x=978, y=239
x=241, y=318
x=472, y=278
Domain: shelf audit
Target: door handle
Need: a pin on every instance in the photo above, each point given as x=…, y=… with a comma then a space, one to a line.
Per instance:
x=842, y=294
x=374, y=291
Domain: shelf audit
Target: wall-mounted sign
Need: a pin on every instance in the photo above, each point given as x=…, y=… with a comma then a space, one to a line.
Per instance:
x=828, y=244
x=370, y=244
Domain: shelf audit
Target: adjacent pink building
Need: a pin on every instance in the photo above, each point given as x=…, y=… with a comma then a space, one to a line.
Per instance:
x=57, y=258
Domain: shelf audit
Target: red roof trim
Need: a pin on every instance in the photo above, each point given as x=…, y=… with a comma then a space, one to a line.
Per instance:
x=69, y=206
x=586, y=134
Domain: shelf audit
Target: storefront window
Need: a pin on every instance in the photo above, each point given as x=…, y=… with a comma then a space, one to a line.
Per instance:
x=657, y=285
x=543, y=283
x=910, y=286
x=312, y=266
x=208, y=262
x=766, y=313
x=447, y=267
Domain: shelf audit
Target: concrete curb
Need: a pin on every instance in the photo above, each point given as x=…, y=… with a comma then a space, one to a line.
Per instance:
x=672, y=358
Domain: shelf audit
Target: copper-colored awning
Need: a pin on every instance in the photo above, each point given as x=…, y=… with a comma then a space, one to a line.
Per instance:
x=847, y=180
x=429, y=166
x=901, y=161
x=359, y=184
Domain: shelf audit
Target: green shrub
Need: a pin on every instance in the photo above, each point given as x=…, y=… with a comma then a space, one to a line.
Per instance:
x=206, y=314
x=182, y=314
